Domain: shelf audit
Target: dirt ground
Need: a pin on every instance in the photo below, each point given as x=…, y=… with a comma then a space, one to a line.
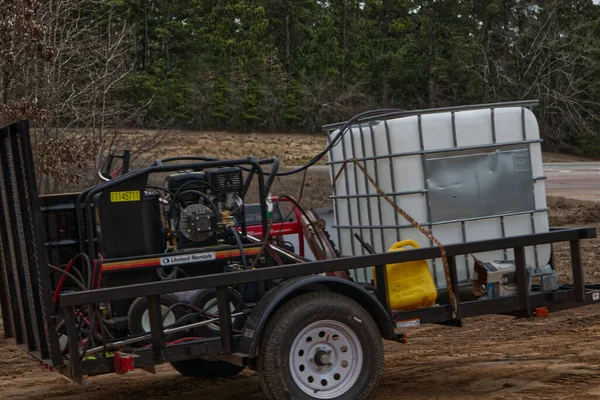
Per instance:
x=491, y=357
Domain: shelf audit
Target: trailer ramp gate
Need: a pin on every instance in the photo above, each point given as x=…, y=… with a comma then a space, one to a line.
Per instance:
x=25, y=288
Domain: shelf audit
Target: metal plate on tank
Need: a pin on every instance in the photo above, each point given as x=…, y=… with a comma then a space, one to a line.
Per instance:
x=476, y=185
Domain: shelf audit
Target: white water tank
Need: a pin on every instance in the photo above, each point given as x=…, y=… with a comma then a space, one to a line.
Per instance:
x=465, y=173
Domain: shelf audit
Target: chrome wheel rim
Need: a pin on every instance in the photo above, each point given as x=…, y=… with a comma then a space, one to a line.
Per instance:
x=326, y=359
x=168, y=320
x=212, y=307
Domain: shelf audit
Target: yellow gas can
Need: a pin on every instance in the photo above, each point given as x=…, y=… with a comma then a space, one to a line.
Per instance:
x=410, y=284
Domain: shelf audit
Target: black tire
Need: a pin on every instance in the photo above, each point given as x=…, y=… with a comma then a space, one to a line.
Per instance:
x=140, y=306
x=201, y=368
x=200, y=300
x=295, y=316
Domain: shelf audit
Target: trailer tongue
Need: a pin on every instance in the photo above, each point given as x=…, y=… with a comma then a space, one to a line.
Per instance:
x=128, y=275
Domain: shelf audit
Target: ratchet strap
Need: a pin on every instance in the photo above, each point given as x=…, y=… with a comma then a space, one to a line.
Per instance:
x=414, y=223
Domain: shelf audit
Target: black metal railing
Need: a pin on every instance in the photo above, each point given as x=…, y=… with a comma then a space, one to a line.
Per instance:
x=226, y=343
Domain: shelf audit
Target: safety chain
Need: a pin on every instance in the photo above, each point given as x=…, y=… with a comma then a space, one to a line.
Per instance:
x=414, y=223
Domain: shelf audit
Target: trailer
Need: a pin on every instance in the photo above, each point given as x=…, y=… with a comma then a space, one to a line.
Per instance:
x=127, y=274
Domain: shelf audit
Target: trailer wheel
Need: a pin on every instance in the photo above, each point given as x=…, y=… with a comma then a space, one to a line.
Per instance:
x=206, y=299
x=138, y=318
x=202, y=368
x=320, y=345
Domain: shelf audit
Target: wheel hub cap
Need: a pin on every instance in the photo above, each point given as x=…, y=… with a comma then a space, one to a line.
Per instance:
x=326, y=359
x=321, y=358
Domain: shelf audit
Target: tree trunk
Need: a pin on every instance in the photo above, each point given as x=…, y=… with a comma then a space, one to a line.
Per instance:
x=386, y=34
x=146, y=51
x=168, y=72
x=431, y=86
x=487, y=68
x=288, y=38
x=343, y=41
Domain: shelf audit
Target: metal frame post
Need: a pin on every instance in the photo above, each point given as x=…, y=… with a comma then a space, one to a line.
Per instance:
x=382, y=287
x=225, y=326
x=522, y=281
x=454, y=282
x=76, y=370
x=156, y=329
x=578, y=275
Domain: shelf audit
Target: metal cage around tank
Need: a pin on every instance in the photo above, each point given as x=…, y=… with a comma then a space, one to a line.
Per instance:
x=372, y=224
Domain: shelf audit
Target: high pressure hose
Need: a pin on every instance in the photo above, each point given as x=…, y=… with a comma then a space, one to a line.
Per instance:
x=343, y=130
x=238, y=241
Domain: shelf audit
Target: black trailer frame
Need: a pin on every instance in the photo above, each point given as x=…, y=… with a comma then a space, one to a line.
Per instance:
x=30, y=320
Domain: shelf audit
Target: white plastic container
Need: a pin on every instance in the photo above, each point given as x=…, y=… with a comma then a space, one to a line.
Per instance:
x=465, y=174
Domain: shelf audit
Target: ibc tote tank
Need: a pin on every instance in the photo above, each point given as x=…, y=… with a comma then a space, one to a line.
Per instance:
x=465, y=173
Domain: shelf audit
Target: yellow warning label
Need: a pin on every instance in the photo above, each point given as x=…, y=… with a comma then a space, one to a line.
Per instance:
x=117, y=197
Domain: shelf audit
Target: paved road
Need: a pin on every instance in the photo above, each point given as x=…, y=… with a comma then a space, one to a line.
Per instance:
x=573, y=166
x=575, y=180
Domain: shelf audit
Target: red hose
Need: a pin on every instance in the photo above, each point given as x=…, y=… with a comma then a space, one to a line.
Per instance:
x=61, y=282
x=117, y=172
x=99, y=271
x=94, y=273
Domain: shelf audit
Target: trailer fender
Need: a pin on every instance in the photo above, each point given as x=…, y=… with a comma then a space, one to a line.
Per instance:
x=274, y=298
